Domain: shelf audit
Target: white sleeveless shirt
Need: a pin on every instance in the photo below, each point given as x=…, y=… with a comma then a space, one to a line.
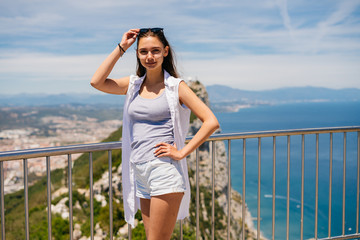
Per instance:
x=180, y=116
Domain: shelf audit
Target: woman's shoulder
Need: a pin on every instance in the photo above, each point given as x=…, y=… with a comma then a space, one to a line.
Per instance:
x=173, y=81
x=135, y=79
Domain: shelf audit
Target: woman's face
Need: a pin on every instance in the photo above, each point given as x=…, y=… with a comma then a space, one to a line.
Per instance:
x=151, y=52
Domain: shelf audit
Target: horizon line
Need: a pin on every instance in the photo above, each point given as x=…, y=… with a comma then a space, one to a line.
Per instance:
x=106, y=94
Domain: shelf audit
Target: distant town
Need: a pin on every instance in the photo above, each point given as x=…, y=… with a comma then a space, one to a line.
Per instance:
x=41, y=127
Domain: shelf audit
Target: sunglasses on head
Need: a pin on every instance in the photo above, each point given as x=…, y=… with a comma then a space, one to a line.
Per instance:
x=154, y=30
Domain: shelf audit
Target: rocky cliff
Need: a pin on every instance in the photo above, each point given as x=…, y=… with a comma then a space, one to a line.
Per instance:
x=221, y=182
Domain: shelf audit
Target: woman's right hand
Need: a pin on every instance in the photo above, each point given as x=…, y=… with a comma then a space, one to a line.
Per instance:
x=129, y=38
x=100, y=79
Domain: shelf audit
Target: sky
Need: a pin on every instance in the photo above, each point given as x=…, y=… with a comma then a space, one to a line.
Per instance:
x=51, y=47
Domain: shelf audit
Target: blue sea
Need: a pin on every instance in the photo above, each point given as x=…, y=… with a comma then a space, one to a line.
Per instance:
x=297, y=116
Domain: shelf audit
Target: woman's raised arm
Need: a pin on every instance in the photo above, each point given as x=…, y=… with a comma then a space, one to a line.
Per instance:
x=100, y=79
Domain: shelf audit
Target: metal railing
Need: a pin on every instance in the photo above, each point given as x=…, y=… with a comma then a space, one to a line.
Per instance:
x=90, y=148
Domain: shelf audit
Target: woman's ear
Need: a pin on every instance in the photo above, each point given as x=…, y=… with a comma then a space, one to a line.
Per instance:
x=166, y=51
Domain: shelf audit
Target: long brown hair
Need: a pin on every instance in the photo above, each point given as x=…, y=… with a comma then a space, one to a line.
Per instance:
x=169, y=61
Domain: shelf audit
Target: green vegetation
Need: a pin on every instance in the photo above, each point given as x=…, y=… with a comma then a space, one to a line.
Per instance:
x=100, y=163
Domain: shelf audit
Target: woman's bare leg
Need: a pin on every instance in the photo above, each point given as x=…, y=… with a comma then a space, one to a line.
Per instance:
x=145, y=213
x=160, y=221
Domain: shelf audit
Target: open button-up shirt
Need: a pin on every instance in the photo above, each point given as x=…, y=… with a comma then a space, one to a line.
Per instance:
x=180, y=116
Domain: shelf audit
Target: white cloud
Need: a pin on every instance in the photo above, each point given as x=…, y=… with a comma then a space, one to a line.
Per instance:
x=285, y=15
x=329, y=25
x=258, y=72
x=263, y=40
x=53, y=72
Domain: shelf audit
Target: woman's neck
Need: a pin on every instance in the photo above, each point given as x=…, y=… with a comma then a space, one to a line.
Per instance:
x=154, y=77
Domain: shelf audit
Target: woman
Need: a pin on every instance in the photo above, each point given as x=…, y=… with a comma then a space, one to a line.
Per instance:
x=155, y=123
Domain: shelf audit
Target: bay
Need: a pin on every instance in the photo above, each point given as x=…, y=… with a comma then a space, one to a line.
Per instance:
x=297, y=116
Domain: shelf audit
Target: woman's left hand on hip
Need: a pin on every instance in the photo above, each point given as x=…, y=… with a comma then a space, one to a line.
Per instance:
x=167, y=150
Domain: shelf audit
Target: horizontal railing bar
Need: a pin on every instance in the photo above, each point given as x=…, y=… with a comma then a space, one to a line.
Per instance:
x=93, y=147
x=350, y=236
x=233, y=136
x=63, y=150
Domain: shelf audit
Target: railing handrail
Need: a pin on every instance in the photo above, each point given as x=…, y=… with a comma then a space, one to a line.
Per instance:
x=277, y=133
x=61, y=150
x=91, y=147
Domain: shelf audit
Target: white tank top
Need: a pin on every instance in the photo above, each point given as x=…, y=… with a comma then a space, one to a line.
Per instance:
x=151, y=124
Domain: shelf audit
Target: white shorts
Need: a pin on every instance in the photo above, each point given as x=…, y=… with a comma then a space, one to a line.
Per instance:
x=158, y=177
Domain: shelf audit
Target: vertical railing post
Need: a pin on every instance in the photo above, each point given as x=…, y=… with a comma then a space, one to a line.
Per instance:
x=91, y=196
x=358, y=182
x=259, y=189
x=26, y=198
x=70, y=197
x=181, y=229
x=213, y=191
x=110, y=196
x=48, y=174
x=288, y=189
x=243, y=190
x=302, y=186
x=344, y=186
x=2, y=201
x=330, y=183
x=197, y=195
x=316, y=186
x=229, y=190
x=273, y=190
x=129, y=232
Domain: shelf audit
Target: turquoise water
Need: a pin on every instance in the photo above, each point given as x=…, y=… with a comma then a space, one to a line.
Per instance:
x=295, y=116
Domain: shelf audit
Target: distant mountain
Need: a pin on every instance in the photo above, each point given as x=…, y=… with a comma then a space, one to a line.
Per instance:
x=221, y=93
x=57, y=99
